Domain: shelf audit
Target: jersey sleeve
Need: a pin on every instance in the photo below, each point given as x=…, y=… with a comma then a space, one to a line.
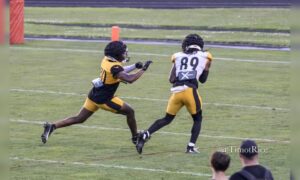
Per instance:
x=116, y=69
x=209, y=56
x=173, y=58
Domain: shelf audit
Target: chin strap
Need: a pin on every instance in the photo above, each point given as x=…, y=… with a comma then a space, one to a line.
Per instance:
x=111, y=58
x=127, y=59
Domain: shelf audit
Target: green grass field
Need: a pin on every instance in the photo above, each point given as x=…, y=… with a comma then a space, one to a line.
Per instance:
x=45, y=66
x=50, y=80
x=262, y=18
x=232, y=19
x=281, y=39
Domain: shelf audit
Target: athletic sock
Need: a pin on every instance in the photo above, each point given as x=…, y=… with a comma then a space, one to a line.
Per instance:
x=191, y=144
x=195, y=131
x=161, y=123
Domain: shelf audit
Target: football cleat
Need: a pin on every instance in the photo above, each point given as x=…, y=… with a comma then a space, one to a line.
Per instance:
x=48, y=129
x=134, y=139
x=192, y=150
x=141, y=140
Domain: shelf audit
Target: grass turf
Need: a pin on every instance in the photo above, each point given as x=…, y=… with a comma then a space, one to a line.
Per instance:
x=281, y=39
x=264, y=18
x=249, y=18
x=50, y=66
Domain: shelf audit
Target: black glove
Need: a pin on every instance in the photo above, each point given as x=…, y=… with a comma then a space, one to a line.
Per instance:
x=139, y=65
x=146, y=65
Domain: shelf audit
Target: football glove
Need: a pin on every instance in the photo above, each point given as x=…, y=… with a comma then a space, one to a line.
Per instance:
x=139, y=65
x=146, y=65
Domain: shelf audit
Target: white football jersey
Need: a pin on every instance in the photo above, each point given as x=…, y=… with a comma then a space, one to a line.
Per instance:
x=190, y=66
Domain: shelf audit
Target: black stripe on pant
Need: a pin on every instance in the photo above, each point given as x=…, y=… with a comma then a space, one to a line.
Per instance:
x=197, y=100
x=113, y=105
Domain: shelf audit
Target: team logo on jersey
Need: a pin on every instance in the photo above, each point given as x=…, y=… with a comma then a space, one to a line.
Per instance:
x=187, y=75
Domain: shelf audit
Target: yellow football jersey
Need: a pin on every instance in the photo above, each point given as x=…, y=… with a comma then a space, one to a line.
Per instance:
x=106, y=92
x=109, y=68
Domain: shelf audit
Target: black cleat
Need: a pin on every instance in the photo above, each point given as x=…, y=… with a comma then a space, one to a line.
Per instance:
x=141, y=140
x=134, y=139
x=191, y=150
x=48, y=129
x=139, y=146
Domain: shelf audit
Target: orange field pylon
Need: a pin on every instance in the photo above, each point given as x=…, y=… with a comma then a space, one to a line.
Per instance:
x=16, y=21
x=115, y=33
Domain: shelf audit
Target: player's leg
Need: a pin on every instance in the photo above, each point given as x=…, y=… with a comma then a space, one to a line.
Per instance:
x=174, y=105
x=81, y=117
x=117, y=105
x=193, y=103
x=128, y=111
x=85, y=112
x=158, y=124
x=195, y=131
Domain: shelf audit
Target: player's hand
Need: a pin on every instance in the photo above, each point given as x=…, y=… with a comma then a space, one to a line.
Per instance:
x=146, y=65
x=139, y=65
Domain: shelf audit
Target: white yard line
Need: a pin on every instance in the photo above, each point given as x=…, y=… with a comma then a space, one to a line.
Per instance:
x=145, y=54
x=150, y=99
x=159, y=132
x=108, y=166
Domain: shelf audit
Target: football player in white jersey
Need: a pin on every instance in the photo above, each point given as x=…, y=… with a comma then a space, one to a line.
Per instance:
x=189, y=66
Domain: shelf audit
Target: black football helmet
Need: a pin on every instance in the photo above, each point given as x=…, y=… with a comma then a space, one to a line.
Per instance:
x=117, y=50
x=191, y=43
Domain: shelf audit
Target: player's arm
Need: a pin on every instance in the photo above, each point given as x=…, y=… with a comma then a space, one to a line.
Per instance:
x=204, y=76
x=172, y=77
x=132, y=67
x=205, y=72
x=130, y=78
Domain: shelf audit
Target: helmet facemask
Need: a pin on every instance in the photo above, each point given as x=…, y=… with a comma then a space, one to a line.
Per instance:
x=125, y=56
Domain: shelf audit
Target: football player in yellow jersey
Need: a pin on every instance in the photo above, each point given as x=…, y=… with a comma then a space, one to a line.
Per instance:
x=102, y=95
x=189, y=66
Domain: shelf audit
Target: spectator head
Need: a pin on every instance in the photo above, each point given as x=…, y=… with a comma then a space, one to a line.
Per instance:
x=220, y=161
x=248, y=150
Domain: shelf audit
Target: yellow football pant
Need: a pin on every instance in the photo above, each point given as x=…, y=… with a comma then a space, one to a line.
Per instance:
x=189, y=98
x=114, y=105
